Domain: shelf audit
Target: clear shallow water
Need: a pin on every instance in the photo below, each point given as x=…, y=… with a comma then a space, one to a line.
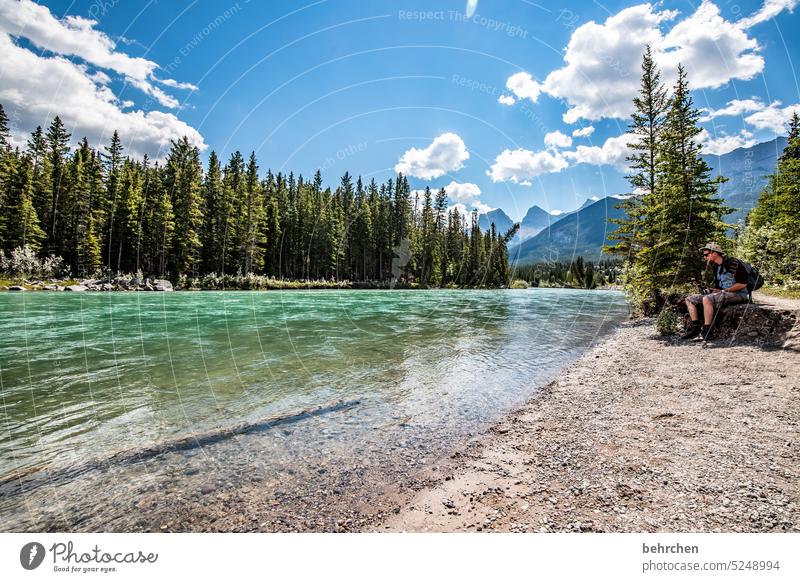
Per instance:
x=85, y=377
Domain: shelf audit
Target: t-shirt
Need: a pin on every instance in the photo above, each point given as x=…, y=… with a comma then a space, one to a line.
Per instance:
x=730, y=272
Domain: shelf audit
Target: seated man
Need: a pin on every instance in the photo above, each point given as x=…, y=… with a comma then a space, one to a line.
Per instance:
x=731, y=287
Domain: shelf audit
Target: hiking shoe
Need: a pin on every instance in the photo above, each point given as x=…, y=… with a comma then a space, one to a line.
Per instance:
x=692, y=331
x=704, y=334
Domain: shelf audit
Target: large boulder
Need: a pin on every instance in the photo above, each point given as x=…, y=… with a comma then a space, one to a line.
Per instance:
x=16, y=288
x=162, y=285
x=76, y=288
x=754, y=323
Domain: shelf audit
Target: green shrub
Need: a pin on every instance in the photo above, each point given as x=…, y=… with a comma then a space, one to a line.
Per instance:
x=518, y=284
x=667, y=321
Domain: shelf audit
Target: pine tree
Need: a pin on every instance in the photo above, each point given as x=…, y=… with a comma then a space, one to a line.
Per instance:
x=20, y=223
x=37, y=149
x=57, y=149
x=647, y=124
x=255, y=218
x=772, y=234
x=5, y=133
x=183, y=182
x=685, y=212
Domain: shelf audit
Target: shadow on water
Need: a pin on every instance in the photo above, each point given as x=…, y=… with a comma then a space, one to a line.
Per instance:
x=25, y=483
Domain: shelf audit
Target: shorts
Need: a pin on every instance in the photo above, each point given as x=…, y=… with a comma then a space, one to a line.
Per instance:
x=718, y=299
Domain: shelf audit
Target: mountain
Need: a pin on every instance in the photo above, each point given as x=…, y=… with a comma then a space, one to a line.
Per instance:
x=580, y=233
x=747, y=170
x=500, y=219
x=534, y=222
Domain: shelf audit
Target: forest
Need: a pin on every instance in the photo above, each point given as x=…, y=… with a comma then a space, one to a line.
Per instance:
x=89, y=212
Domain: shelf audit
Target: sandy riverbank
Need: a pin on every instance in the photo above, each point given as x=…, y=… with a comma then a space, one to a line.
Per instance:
x=642, y=433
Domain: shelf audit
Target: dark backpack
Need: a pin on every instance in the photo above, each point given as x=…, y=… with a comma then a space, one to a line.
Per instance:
x=754, y=279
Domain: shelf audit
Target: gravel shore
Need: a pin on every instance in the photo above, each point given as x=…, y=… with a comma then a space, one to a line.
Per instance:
x=641, y=434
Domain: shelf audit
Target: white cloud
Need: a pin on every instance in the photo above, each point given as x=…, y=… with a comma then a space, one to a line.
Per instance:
x=723, y=144
x=521, y=165
x=734, y=108
x=585, y=132
x=712, y=49
x=613, y=152
x=76, y=36
x=602, y=64
x=602, y=61
x=464, y=192
x=769, y=10
x=446, y=153
x=36, y=88
x=466, y=210
x=523, y=86
x=506, y=100
x=773, y=117
x=556, y=139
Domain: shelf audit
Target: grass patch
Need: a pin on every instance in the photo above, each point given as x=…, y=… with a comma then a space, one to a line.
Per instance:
x=788, y=292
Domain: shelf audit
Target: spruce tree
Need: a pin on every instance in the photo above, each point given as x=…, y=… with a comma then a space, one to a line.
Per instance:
x=647, y=124
x=183, y=182
x=685, y=212
x=20, y=223
x=57, y=149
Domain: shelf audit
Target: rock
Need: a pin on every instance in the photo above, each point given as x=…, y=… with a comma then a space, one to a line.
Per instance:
x=87, y=282
x=162, y=285
x=16, y=288
x=207, y=488
x=75, y=288
x=448, y=503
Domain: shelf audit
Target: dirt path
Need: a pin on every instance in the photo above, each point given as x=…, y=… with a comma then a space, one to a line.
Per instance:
x=640, y=434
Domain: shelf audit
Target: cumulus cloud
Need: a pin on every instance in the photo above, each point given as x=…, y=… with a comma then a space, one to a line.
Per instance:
x=506, y=100
x=733, y=108
x=613, y=152
x=773, y=117
x=556, y=139
x=523, y=86
x=602, y=61
x=584, y=132
x=446, y=153
x=466, y=209
x=36, y=86
x=769, y=10
x=463, y=192
x=602, y=64
x=712, y=49
x=722, y=144
x=520, y=165
x=76, y=36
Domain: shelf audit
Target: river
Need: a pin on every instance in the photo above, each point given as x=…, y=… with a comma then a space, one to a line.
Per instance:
x=119, y=407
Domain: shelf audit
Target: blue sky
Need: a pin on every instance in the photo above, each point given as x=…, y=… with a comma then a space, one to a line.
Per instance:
x=373, y=87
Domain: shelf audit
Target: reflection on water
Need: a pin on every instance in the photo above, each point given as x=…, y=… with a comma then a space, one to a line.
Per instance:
x=89, y=379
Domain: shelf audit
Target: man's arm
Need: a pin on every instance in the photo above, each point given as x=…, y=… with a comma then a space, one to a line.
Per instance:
x=739, y=274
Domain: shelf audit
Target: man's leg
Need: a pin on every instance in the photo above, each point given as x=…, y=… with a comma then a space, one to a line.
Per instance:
x=708, y=310
x=711, y=303
x=694, y=325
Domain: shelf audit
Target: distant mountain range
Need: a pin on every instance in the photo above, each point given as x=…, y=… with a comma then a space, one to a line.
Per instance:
x=580, y=233
x=546, y=237
x=747, y=170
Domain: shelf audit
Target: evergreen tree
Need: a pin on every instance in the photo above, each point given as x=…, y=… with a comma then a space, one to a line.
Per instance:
x=20, y=223
x=57, y=150
x=5, y=133
x=183, y=182
x=647, y=124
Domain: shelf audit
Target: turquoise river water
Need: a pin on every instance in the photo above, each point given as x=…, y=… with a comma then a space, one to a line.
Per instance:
x=113, y=399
